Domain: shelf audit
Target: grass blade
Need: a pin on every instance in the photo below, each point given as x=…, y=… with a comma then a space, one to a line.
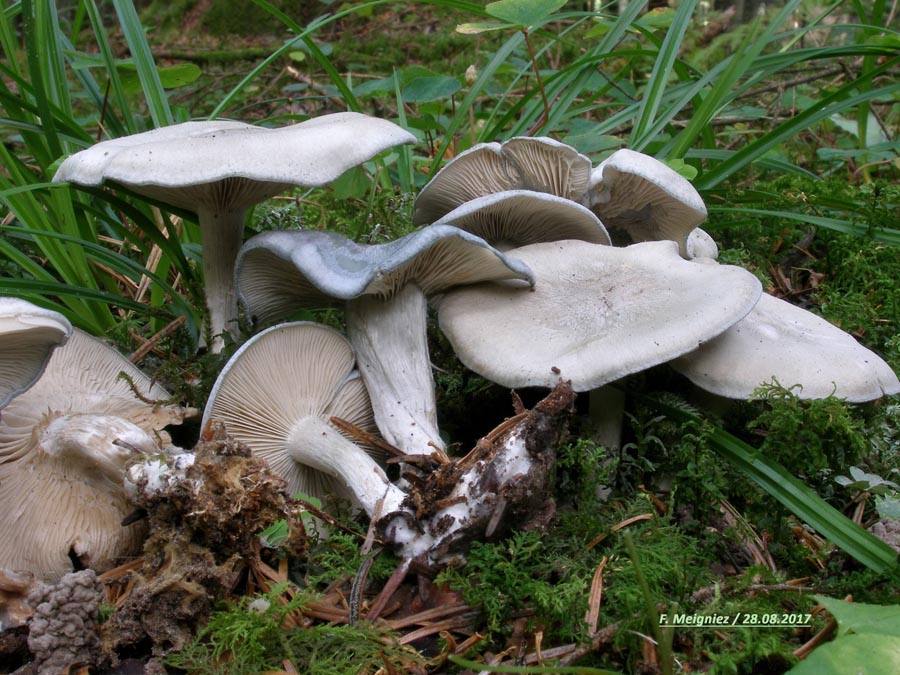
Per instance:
x=157, y=102
x=659, y=77
x=836, y=102
x=795, y=496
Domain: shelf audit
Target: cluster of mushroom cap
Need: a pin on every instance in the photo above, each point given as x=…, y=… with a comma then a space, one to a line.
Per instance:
x=74, y=421
x=516, y=254
x=597, y=313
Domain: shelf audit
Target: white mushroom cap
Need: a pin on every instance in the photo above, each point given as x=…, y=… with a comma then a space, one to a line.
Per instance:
x=521, y=163
x=520, y=217
x=61, y=468
x=280, y=272
x=218, y=169
x=596, y=313
x=780, y=341
x=224, y=165
x=277, y=394
x=28, y=335
x=643, y=198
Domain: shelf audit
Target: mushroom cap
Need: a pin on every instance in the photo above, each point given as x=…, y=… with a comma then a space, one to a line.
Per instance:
x=596, y=313
x=780, y=341
x=28, y=335
x=645, y=199
x=525, y=217
x=280, y=376
x=61, y=471
x=700, y=244
x=521, y=163
x=280, y=272
x=223, y=165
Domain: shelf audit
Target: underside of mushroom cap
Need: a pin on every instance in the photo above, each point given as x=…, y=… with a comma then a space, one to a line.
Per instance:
x=478, y=171
x=546, y=165
x=780, y=342
x=64, y=516
x=522, y=217
x=84, y=377
x=596, y=313
x=280, y=272
x=279, y=377
x=60, y=462
x=521, y=163
x=639, y=196
x=182, y=164
x=28, y=335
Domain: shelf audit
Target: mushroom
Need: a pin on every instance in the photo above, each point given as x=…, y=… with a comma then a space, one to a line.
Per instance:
x=218, y=169
x=277, y=395
x=28, y=335
x=520, y=217
x=521, y=163
x=384, y=288
x=64, y=444
x=782, y=342
x=596, y=313
x=640, y=198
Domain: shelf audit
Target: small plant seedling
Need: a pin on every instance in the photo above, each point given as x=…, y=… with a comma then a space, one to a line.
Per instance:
x=525, y=16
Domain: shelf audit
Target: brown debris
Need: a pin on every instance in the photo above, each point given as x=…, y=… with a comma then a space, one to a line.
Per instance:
x=204, y=529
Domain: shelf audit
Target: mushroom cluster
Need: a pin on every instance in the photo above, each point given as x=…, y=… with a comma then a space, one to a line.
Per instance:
x=542, y=269
x=597, y=313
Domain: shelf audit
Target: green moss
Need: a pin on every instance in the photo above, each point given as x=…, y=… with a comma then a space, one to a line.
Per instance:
x=811, y=438
x=248, y=636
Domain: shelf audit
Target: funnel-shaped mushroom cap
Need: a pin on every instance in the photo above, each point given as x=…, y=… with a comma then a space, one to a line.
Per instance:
x=280, y=272
x=224, y=166
x=280, y=377
x=61, y=464
x=521, y=163
x=596, y=313
x=644, y=199
x=28, y=335
x=780, y=341
x=522, y=217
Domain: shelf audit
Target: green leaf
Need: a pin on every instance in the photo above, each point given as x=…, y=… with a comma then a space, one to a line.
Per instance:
x=682, y=167
x=859, y=617
x=866, y=654
x=436, y=87
x=888, y=508
x=274, y=535
x=170, y=77
x=527, y=14
x=152, y=87
x=661, y=17
x=352, y=184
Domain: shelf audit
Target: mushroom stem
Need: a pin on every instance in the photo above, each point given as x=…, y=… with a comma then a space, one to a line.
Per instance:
x=221, y=234
x=88, y=442
x=390, y=340
x=316, y=444
x=606, y=409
